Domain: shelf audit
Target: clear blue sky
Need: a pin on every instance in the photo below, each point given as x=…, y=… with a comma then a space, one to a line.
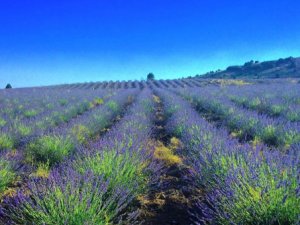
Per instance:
x=52, y=42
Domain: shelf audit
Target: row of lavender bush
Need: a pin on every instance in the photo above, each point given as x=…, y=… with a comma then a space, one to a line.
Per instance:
x=16, y=130
x=97, y=185
x=50, y=147
x=274, y=100
x=244, y=123
x=242, y=184
x=26, y=105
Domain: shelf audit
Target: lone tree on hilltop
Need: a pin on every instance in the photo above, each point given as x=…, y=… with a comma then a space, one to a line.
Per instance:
x=150, y=76
x=8, y=86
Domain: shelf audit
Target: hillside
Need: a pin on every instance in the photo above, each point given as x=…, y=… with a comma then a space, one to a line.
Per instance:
x=281, y=68
x=251, y=71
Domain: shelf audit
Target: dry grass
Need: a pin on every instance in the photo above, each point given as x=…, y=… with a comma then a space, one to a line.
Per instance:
x=156, y=99
x=42, y=171
x=224, y=82
x=166, y=154
x=175, y=144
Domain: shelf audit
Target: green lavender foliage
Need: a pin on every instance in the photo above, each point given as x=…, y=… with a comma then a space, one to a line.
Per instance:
x=49, y=149
x=7, y=175
x=122, y=169
x=59, y=200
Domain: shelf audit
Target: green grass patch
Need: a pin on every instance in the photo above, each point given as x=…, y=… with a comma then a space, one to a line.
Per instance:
x=6, y=142
x=113, y=106
x=63, y=102
x=49, y=106
x=49, y=149
x=255, y=103
x=43, y=170
x=7, y=175
x=293, y=116
x=81, y=133
x=98, y=101
x=30, y=113
x=2, y=122
x=276, y=110
x=121, y=169
x=23, y=130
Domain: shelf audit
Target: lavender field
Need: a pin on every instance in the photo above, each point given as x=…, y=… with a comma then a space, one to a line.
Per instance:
x=186, y=151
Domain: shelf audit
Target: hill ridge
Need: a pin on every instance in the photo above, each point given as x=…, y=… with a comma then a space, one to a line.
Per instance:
x=281, y=68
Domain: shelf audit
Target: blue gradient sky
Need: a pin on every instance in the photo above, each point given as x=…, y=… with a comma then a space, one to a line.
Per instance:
x=53, y=42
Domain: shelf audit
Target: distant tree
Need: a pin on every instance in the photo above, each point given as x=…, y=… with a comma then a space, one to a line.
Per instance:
x=250, y=63
x=150, y=76
x=8, y=86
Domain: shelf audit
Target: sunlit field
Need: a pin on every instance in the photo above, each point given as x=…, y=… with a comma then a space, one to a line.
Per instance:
x=196, y=151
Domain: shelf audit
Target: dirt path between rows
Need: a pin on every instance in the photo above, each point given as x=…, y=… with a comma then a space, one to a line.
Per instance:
x=170, y=203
